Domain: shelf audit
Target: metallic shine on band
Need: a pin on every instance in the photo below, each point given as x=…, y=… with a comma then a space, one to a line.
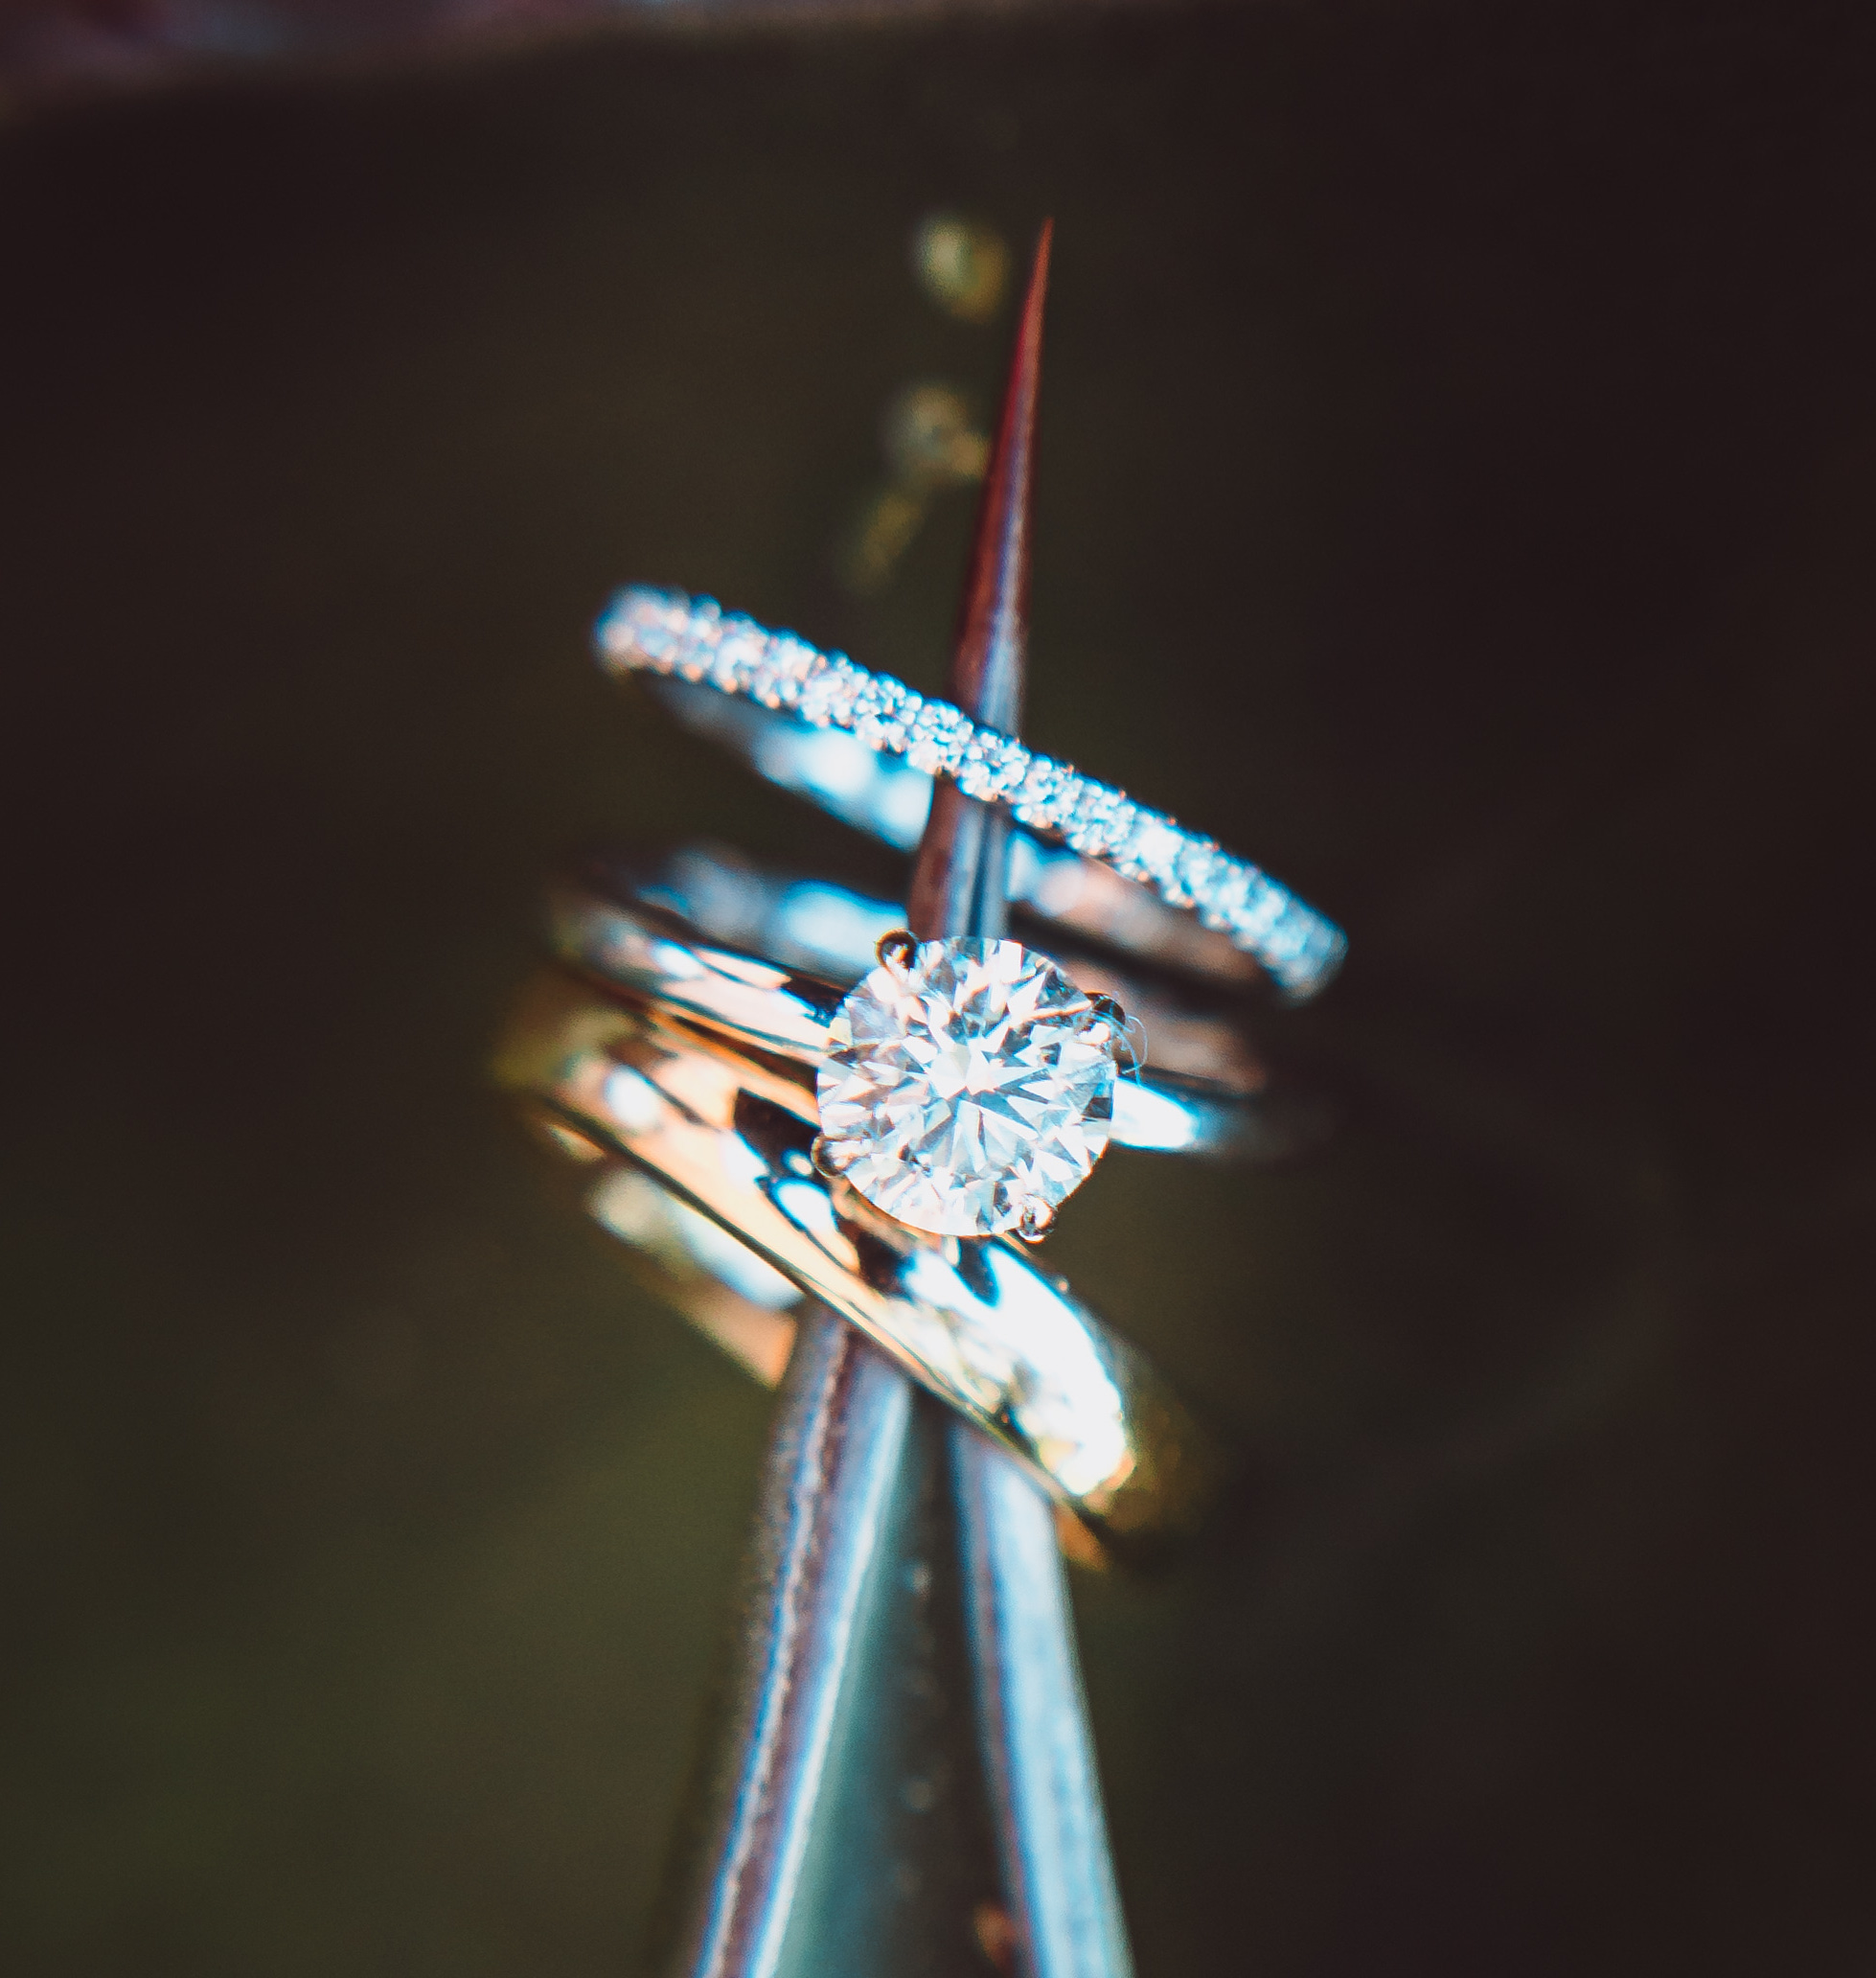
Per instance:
x=754, y=1005
x=668, y=633
x=832, y=932
x=980, y=1323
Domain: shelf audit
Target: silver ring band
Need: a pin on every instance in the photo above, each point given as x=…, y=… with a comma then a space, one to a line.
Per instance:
x=979, y=1324
x=666, y=634
x=1213, y=1102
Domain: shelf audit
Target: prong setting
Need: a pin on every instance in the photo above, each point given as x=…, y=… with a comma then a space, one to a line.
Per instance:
x=897, y=949
x=1125, y=1034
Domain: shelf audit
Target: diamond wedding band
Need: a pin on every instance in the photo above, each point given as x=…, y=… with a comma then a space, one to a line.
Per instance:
x=670, y=635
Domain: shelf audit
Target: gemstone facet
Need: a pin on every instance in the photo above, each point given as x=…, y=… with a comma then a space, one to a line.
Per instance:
x=966, y=1084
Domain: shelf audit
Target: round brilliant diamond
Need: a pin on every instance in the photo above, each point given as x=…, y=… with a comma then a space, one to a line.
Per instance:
x=968, y=1087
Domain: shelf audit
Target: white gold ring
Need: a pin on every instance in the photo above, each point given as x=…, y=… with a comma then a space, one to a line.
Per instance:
x=964, y=1092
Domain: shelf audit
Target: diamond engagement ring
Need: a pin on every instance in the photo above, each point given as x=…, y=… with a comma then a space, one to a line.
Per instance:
x=670, y=635
x=961, y=1090
x=698, y=1164
x=650, y=937
x=1203, y=1043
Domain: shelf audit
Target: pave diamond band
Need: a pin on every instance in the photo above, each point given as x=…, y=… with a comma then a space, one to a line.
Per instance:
x=670, y=635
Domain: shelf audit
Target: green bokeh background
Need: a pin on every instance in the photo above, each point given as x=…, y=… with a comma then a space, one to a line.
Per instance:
x=1454, y=490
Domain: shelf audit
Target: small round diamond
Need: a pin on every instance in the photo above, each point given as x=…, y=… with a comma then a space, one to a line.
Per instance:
x=967, y=1086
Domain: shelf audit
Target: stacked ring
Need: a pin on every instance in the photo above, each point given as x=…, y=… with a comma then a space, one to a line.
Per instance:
x=767, y=1130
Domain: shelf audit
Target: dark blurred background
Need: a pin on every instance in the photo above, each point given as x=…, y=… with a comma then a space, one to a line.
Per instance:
x=1456, y=490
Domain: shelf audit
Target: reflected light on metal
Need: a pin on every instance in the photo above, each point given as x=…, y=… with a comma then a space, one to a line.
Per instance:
x=826, y=1488
x=831, y=931
x=1205, y=1093
x=982, y=1326
x=1146, y=1120
x=1037, y=1745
